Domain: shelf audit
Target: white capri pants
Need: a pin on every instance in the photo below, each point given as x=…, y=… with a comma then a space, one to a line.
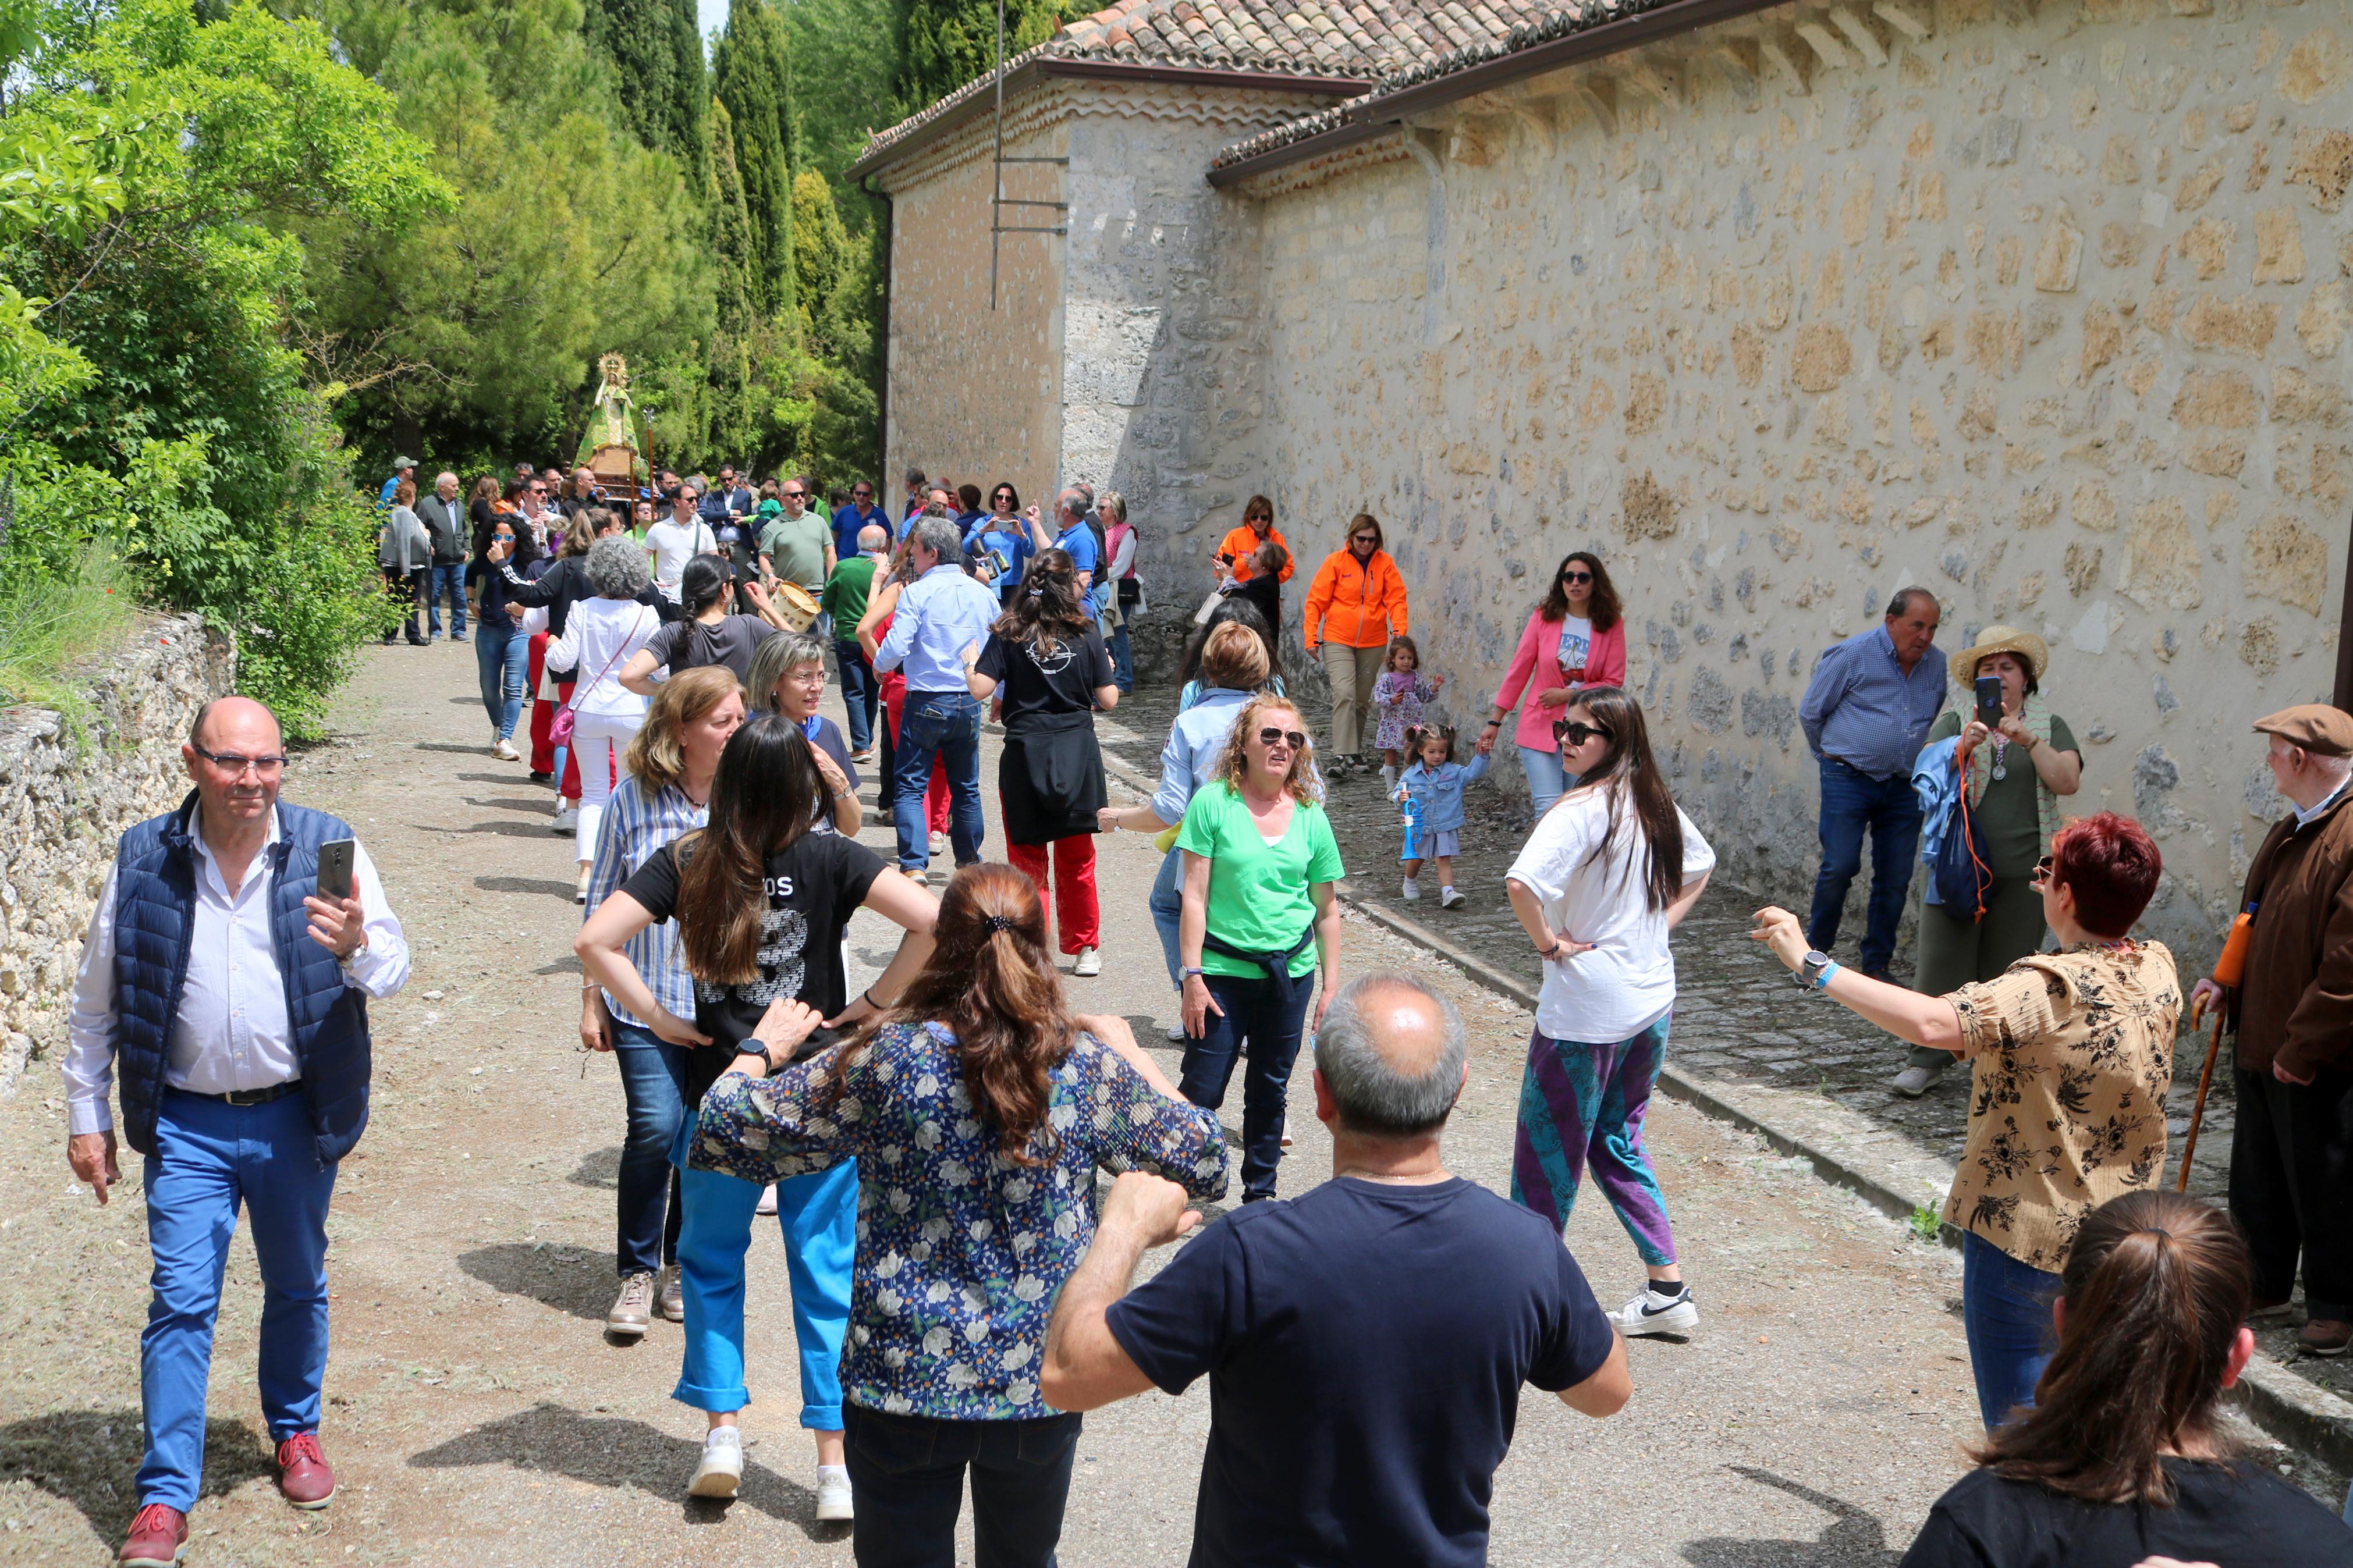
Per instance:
x=599, y=741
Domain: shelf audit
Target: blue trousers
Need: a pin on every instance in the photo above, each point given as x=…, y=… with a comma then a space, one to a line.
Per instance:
x=1261, y=1021
x=1546, y=782
x=945, y=724
x=211, y=1158
x=449, y=579
x=818, y=1213
x=861, y=691
x=2006, y=1313
x=503, y=660
x=906, y=1475
x=1855, y=803
x=653, y=1077
x=1167, y=902
x=1123, y=659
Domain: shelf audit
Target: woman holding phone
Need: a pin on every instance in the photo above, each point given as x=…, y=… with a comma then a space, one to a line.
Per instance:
x=502, y=648
x=2022, y=758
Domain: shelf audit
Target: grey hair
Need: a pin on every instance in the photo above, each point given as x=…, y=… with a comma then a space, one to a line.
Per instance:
x=873, y=536
x=939, y=535
x=617, y=567
x=1904, y=597
x=1113, y=502
x=1373, y=1097
x=1084, y=495
x=772, y=659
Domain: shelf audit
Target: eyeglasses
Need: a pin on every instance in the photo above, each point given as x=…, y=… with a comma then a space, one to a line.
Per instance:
x=807, y=675
x=863, y=493
x=539, y=490
x=1576, y=732
x=1271, y=736
x=233, y=764
x=2042, y=872
x=795, y=495
x=1577, y=576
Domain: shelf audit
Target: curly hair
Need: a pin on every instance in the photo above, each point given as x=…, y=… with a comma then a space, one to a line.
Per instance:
x=617, y=568
x=1302, y=783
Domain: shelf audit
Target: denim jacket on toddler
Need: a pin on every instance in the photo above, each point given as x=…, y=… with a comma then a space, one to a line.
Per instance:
x=1437, y=795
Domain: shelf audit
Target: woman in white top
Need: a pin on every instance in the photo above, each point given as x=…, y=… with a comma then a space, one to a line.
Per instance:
x=599, y=637
x=1613, y=867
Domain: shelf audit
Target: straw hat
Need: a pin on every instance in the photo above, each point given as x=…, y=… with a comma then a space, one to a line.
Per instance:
x=2001, y=640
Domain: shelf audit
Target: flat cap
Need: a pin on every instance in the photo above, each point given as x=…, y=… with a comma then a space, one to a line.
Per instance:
x=2323, y=730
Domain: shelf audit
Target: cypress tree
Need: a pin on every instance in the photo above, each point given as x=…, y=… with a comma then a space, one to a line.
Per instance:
x=752, y=76
x=951, y=42
x=664, y=94
x=732, y=245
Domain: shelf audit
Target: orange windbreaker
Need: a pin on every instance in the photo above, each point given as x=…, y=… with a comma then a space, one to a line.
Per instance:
x=1242, y=543
x=1356, y=604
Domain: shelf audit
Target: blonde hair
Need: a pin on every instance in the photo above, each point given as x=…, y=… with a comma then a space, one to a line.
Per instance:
x=1234, y=657
x=1233, y=765
x=656, y=756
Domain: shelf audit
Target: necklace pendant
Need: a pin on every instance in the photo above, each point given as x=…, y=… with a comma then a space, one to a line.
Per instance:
x=2000, y=772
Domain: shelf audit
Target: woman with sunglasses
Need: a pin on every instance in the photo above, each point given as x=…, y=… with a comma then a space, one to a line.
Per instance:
x=1258, y=925
x=1575, y=639
x=502, y=650
x=1613, y=868
x=2071, y=1055
x=1004, y=533
x=1355, y=605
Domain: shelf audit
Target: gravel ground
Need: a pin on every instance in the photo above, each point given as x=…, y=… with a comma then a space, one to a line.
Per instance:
x=477, y=1415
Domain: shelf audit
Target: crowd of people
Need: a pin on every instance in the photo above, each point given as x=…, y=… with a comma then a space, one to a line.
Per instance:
x=961, y=1293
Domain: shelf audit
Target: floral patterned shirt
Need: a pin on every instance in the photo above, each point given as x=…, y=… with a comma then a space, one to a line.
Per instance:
x=2071, y=1054
x=961, y=1251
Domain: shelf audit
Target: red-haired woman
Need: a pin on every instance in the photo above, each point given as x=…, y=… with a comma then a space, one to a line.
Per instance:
x=2071, y=1053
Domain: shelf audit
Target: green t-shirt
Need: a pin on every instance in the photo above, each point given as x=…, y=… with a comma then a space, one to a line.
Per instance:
x=1257, y=891
x=846, y=593
x=796, y=547
x=2009, y=816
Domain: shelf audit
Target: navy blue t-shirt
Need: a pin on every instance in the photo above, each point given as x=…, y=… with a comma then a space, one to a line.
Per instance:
x=1365, y=1345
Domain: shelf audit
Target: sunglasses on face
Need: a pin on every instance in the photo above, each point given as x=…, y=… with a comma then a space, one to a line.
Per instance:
x=863, y=493
x=2042, y=872
x=1364, y=539
x=794, y=495
x=1271, y=736
x=1576, y=732
x=1577, y=576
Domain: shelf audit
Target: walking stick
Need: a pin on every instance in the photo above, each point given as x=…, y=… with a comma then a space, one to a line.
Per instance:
x=2206, y=1076
x=2229, y=970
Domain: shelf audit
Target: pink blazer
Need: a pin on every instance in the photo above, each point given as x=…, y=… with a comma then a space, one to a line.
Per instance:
x=1605, y=665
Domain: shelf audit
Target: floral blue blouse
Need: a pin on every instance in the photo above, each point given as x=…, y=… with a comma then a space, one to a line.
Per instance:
x=961, y=1251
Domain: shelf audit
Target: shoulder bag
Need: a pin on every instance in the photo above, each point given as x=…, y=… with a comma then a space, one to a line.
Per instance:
x=559, y=728
x=1964, y=878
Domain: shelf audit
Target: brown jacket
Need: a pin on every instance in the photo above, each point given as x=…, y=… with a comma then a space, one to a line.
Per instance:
x=2294, y=1003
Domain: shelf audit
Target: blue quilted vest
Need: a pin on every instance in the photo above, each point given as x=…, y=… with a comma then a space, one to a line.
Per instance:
x=154, y=926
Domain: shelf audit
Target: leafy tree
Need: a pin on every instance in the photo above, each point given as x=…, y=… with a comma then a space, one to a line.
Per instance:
x=950, y=42
x=664, y=94
x=752, y=79
x=845, y=67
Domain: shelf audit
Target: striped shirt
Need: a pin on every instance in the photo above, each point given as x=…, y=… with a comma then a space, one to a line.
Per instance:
x=634, y=827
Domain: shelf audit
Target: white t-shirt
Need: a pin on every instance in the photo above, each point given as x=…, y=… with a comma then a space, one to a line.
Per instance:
x=1575, y=645
x=673, y=545
x=1621, y=987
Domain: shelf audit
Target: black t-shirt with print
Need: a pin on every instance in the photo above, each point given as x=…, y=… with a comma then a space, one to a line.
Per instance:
x=2234, y=1515
x=1034, y=681
x=813, y=887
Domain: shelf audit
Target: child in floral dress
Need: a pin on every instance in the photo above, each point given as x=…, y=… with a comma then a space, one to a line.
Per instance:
x=1397, y=697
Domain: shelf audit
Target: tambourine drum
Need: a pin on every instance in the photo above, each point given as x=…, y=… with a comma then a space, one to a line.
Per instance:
x=795, y=604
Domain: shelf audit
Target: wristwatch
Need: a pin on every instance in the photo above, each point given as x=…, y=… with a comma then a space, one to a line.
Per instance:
x=1810, y=970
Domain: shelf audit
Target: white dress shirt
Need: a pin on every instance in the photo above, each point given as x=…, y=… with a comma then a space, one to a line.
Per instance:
x=230, y=1032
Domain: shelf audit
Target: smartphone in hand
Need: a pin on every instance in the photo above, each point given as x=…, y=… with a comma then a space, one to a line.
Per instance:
x=335, y=868
x=1989, y=687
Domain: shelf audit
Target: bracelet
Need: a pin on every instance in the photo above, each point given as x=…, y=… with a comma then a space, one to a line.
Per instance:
x=844, y=793
x=867, y=996
x=1548, y=953
x=1492, y=724
x=1189, y=974
x=1822, y=981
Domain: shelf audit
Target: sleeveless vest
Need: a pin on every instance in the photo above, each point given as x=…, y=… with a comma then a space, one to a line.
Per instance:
x=154, y=927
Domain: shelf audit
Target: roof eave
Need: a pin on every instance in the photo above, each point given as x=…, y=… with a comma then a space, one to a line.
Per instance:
x=1381, y=111
x=1031, y=73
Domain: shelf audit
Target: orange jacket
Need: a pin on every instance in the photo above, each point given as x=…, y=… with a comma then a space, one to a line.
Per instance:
x=1241, y=543
x=1356, y=604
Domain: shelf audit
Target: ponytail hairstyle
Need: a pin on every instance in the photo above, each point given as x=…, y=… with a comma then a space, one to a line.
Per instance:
x=1629, y=775
x=1416, y=735
x=991, y=981
x=2155, y=1290
x=1045, y=605
x=762, y=800
x=700, y=583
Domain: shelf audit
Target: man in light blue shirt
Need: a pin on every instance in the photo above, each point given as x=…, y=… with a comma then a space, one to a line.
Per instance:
x=942, y=619
x=402, y=469
x=1866, y=715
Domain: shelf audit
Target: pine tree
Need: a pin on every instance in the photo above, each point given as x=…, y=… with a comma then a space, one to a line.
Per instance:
x=733, y=249
x=664, y=94
x=951, y=42
x=752, y=76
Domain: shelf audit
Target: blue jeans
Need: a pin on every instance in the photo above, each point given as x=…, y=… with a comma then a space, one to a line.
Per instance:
x=451, y=580
x=906, y=1477
x=210, y=1158
x=1261, y=1021
x=502, y=658
x=1854, y=803
x=861, y=691
x=1123, y=659
x=2006, y=1313
x=818, y=1213
x=1546, y=782
x=653, y=1077
x=1167, y=904
x=945, y=724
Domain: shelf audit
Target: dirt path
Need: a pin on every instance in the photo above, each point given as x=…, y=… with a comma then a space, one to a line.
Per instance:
x=477, y=1415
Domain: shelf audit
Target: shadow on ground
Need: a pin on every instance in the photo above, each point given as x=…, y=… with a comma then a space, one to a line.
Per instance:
x=511, y=803
x=613, y=1451
x=1854, y=1539
x=569, y=1278
x=601, y=1169
x=546, y=886
x=90, y=1458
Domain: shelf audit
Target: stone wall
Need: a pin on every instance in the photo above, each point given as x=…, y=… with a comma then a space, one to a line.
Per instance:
x=2041, y=309
x=66, y=799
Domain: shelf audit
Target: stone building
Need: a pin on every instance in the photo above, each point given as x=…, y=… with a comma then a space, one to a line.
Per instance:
x=1777, y=308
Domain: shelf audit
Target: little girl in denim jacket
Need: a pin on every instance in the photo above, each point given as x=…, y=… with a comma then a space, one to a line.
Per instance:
x=1433, y=786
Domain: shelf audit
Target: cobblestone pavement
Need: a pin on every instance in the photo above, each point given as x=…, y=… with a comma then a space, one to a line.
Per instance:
x=1739, y=1023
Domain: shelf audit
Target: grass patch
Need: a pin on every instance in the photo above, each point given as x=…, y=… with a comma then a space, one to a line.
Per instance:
x=49, y=625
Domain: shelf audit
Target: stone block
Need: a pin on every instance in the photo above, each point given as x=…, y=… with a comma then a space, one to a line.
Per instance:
x=2059, y=257
x=2244, y=325
x=2279, y=247
x=1821, y=359
x=2315, y=67
x=2322, y=160
x=2285, y=561
x=2222, y=399
x=2162, y=566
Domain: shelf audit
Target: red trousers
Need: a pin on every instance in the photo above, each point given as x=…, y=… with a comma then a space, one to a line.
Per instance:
x=542, y=718
x=1072, y=896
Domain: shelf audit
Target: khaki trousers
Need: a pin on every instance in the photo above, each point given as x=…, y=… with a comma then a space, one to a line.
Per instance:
x=1353, y=671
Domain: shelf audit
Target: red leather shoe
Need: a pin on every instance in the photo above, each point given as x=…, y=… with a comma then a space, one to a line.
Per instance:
x=158, y=1539
x=303, y=1472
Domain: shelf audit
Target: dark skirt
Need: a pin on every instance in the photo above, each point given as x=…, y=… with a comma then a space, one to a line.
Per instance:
x=1050, y=775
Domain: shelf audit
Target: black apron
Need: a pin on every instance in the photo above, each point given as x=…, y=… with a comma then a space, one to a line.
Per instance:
x=1051, y=777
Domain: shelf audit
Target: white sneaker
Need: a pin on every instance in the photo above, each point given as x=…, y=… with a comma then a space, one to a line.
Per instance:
x=567, y=820
x=1285, y=1125
x=504, y=751
x=1448, y=899
x=721, y=1469
x=833, y=1495
x=1090, y=963
x=768, y=1199
x=1175, y=1033
x=1652, y=1313
x=940, y=844
x=1411, y=892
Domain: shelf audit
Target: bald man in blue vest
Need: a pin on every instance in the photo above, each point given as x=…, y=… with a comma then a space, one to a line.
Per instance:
x=230, y=1000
